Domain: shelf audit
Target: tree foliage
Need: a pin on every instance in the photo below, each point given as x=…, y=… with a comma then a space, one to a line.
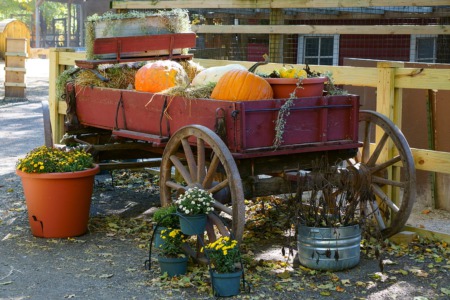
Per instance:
x=24, y=10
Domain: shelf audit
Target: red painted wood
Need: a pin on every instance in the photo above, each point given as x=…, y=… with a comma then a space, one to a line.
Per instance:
x=130, y=44
x=314, y=124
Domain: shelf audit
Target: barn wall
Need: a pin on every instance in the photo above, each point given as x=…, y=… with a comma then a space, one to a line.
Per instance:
x=379, y=47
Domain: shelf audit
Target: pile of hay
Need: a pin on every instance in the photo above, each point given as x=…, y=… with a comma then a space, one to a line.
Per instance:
x=121, y=76
x=191, y=92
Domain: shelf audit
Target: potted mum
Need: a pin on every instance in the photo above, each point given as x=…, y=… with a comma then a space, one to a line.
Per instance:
x=224, y=257
x=171, y=257
x=293, y=82
x=164, y=218
x=193, y=207
x=58, y=185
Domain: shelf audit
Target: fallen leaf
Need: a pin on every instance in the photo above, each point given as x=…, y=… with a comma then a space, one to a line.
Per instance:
x=340, y=289
x=6, y=282
x=360, y=283
x=8, y=236
x=426, y=211
x=106, y=276
x=419, y=273
x=328, y=286
x=325, y=293
x=445, y=291
x=388, y=262
x=284, y=275
x=403, y=272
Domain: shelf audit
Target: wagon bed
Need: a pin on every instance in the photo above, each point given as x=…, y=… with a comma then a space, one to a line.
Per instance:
x=246, y=127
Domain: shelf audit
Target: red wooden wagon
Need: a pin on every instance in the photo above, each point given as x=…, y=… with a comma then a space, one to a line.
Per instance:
x=205, y=139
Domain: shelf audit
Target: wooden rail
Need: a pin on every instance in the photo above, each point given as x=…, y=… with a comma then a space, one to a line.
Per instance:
x=270, y=4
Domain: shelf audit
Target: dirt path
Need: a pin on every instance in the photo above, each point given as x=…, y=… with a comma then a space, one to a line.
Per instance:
x=108, y=261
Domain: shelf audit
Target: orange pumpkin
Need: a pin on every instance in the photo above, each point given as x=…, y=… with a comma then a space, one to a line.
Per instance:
x=241, y=85
x=160, y=75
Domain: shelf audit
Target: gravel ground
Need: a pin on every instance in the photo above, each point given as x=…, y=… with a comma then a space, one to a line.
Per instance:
x=108, y=263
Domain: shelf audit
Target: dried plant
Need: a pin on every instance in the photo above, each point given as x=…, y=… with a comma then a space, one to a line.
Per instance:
x=329, y=196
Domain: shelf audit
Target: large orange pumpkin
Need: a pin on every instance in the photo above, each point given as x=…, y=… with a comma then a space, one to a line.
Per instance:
x=241, y=85
x=160, y=75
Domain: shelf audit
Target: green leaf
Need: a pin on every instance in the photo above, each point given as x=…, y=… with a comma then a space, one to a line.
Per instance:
x=284, y=275
x=445, y=291
x=328, y=286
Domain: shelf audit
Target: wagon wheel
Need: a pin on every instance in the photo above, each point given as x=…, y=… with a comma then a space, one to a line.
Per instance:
x=200, y=157
x=390, y=216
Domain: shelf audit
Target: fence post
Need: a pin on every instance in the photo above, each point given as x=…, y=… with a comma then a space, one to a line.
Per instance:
x=56, y=69
x=389, y=103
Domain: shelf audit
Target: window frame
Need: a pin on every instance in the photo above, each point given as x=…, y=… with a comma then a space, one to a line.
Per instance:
x=413, y=53
x=301, y=47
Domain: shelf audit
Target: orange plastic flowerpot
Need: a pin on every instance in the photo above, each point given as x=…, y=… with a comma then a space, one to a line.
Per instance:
x=309, y=87
x=58, y=203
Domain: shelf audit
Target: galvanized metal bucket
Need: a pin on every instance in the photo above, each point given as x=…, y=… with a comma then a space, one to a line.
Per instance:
x=327, y=248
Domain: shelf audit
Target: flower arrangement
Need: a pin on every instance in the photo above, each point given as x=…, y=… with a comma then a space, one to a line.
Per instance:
x=55, y=160
x=195, y=201
x=173, y=239
x=165, y=217
x=224, y=254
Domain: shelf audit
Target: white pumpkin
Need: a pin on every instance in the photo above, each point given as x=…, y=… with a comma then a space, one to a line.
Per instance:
x=213, y=74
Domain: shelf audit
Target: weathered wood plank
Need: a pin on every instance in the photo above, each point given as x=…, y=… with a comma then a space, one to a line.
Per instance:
x=269, y=4
x=322, y=29
x=432, y=235
x=432, y=79
x=429, y=160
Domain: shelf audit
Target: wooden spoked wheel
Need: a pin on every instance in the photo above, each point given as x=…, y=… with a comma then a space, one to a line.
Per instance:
x=392, y=179
x=203, y=160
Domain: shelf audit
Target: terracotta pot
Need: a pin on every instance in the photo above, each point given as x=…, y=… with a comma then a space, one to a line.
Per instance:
x=58, y=203
x=309, y=87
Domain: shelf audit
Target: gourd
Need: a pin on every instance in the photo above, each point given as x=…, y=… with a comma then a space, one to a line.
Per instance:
x=241, y=85
x=292, y=73
x=213, y=74
x=160, y=75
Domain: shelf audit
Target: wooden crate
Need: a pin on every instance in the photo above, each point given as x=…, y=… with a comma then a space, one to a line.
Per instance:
x=18, y=46
x=15, y=56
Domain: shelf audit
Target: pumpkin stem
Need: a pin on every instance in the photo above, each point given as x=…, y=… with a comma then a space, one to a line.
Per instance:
x=252, y=69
